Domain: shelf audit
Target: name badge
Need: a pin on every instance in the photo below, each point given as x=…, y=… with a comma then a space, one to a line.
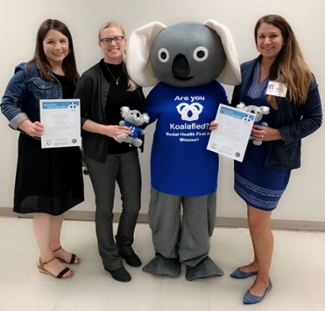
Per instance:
x=276, y=89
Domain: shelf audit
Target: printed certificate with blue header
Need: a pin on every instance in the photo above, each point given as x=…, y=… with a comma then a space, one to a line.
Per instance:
x=234, y=129
x=61, y=119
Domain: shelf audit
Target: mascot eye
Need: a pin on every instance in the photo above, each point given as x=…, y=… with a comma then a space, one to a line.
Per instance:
x=200, y=54
x=163, y=55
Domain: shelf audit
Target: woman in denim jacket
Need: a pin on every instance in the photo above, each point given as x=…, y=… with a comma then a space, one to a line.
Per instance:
x=48, y=181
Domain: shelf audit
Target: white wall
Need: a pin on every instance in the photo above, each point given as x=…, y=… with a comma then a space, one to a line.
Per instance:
x=20, y=19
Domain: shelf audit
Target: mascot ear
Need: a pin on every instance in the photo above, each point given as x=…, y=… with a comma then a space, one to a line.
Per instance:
x=138, y=53
x=265, y=109
x=231, y=72
x=146, y=117
x=241, y=105
x=124, y=111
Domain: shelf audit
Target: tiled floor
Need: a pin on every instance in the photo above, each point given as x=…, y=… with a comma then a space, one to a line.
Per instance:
x=298, y=274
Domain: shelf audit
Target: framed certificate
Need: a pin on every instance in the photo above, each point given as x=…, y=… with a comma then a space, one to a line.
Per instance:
x=234, y=129
x=61, y=119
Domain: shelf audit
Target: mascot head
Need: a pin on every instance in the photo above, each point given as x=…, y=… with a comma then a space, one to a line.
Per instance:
x=182, y=55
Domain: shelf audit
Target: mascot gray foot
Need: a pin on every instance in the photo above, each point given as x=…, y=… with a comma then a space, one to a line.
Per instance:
x=204, y=269
x=162, y=266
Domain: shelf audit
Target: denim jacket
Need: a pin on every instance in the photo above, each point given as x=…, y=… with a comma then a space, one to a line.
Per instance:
x=21, y=98
x=294, y=123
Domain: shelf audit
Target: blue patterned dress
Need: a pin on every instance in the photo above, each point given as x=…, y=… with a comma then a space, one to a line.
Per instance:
x=257, y=186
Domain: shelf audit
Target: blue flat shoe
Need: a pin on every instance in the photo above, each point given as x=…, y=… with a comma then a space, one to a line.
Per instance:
x=251, y=299
x=237, y=274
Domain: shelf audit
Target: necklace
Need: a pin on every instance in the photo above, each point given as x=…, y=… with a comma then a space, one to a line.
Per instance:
x=116, y=80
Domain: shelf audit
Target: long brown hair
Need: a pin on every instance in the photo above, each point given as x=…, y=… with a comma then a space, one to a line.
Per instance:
x=131, y=85
x=69, y=63
x=289, y=67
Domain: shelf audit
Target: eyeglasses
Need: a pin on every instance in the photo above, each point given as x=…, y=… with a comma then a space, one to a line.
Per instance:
x=108, y=41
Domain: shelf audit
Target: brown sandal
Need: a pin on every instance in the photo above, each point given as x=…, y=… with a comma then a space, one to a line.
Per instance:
x=72, y=260
x=59, y=276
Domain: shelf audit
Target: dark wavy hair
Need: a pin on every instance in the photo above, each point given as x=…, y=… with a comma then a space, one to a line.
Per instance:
x=289, y=67
x=69, y=63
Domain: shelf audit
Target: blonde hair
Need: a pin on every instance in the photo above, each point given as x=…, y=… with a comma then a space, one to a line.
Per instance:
x=289, y=67
x=131, y=85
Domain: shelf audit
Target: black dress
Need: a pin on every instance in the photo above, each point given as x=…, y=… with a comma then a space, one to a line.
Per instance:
x=48, y=180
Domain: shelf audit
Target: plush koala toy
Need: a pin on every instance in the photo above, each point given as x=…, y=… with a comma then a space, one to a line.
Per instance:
x=185, y=63
x=259, y=112
x=133, y=119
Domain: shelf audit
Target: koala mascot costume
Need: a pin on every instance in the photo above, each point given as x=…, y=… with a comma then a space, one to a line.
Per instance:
x=183, y=61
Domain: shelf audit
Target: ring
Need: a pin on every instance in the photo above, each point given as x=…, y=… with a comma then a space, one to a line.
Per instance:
x=262, y=136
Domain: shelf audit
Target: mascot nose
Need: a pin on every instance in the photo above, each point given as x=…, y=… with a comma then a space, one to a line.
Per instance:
x=180, y=67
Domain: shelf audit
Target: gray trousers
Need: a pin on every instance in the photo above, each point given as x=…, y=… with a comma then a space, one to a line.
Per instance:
x=125, y=170
x=188, y=238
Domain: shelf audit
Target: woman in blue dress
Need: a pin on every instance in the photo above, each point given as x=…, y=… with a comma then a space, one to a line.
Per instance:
x=280, y=79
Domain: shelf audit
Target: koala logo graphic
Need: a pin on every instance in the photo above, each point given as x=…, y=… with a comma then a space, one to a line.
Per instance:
x=248, y=118
x=189, y=112
x=73, y=105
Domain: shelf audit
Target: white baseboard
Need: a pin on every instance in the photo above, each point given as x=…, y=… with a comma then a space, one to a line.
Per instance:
x=225, y=222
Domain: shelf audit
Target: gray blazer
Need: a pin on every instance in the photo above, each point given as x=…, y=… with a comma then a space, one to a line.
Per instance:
x=92, y=89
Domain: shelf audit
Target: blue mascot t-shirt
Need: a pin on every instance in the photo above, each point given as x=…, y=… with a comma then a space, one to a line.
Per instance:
x=135, y=130
x=180, y=163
